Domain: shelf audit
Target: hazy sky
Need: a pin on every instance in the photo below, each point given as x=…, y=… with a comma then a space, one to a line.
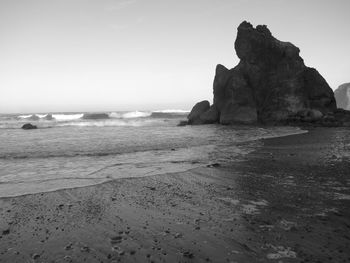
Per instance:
x=96, y=55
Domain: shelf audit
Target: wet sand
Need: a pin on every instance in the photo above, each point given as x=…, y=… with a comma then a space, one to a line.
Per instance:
x=288, y=201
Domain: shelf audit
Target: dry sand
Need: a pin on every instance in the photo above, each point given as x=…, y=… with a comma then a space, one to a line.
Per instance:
x=288, y=201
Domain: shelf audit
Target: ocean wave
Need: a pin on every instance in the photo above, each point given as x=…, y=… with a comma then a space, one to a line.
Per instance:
x=47, y=116
x=67, y=117
x=130, y=114
x=168, y=115
x=110, y=123
x=33, y=117
x=48, y=155
x=24, y=116
x=95, y=116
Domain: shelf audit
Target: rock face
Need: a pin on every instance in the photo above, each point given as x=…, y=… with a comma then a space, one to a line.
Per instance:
x=210, y=116
x=342, y=96
x=29, y=126
x=270, y=84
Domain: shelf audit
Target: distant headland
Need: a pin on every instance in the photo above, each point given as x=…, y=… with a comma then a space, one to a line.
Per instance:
x=342, y=96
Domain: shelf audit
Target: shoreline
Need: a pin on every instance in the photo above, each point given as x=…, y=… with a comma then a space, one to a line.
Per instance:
x=287, y=201
x=107, y=180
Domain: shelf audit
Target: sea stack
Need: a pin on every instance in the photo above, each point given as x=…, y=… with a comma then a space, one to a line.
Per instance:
x=270, y=84
x=342, y=96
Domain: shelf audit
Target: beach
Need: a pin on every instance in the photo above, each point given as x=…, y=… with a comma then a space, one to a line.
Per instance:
x=174, y=131
x=286, y=201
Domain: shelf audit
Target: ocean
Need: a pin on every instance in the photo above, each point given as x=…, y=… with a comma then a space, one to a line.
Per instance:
x=80, y=149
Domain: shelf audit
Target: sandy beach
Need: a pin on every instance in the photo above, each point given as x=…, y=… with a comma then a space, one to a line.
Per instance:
x=287, y=201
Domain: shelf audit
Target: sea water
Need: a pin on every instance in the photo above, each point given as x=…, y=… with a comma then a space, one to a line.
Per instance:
x=71, y=151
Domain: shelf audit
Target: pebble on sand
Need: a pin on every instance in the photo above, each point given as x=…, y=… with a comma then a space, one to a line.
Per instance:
x=188, y=254
x=6, y=232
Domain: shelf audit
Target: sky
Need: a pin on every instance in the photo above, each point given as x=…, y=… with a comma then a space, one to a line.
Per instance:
x=111, y=55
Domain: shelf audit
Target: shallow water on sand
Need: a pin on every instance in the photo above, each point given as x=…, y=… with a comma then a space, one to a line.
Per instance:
x=69, y=156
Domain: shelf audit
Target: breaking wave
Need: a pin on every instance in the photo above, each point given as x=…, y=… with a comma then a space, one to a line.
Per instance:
x=103, y=115
x=58, y=117
x=129, y=115
x=67, y=117
x=111, y=123
x=93, y=119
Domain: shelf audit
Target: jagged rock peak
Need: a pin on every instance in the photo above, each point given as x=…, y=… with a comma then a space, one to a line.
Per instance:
x=263, y=29
x=220, y=69
x=254, y=44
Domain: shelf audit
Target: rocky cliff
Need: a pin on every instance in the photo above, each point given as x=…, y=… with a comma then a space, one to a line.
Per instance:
x=270, y=84
x=342, y=96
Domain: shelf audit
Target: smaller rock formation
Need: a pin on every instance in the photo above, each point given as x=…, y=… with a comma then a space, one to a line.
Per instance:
x=34, y=118
x=197, y=111
x=342, y=96
x=29, y=126
x=49, y=117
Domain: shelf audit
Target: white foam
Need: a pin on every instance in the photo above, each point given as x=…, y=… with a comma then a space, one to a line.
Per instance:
x=136, y=114
x=67, y=117
x=117, y=115
x=36, y=114
x=24, y=116
x=110, y=123
x=130, y=114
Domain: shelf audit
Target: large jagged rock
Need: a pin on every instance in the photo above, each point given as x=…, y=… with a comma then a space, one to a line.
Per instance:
x=271, y=83
x=342, y=96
